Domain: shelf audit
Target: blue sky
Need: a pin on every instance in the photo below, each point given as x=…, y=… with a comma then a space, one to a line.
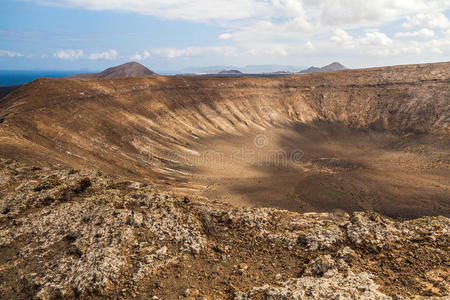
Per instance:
x=175, y=34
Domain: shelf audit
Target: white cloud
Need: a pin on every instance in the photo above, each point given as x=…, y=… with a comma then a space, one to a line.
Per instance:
x=144, y=55
x=309, y=46
x=433, y=20
x=297, y=24
x=110, y=54
x=331, y=12
x=342, y=38
x=423, y=33
x=136, y=57
x=282, y=50
x=193, y=51
x=376, y=39
x=274, y=34
x=147, y=55
x=199, y=10
x=411, y=48
x=69, y=54
x=225, y=36
x=439, y=46
x=396, y=49
x=10, y=53
x=282, y=30
x=294, y=22
x=356, y=13
x=271, y=49
x=171, y=52
x=374, y=43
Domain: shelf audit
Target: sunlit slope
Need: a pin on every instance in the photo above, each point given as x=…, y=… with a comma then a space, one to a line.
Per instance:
x=382, y=129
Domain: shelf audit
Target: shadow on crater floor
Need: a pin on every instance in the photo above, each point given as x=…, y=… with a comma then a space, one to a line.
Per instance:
x=327, y=166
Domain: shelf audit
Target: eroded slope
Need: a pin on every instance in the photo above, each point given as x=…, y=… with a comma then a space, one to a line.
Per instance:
x=374, y=139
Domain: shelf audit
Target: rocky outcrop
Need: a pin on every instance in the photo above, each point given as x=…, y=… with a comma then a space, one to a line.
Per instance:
x=78, y=233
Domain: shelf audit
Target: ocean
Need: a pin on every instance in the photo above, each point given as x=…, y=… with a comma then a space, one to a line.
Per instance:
x=13, y=77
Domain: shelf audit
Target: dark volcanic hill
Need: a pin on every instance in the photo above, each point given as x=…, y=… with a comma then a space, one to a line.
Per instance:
x=311, y=70
x=331, y=67
x=131, y=69
x=334, y=67
x=230, y=72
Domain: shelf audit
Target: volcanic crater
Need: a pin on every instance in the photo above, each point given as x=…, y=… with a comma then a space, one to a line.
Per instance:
x=354, y=140
x=170, y=187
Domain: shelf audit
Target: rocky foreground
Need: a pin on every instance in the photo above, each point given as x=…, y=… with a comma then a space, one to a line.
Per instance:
x=67, y=233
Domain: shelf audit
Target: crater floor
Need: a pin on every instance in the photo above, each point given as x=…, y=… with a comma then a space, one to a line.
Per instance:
x=323, y=167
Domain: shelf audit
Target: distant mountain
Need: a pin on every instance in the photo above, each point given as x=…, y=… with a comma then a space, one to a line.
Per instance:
x=311, y=70
x=131, y=69
x=334, y=67
x=251, y=69
x=280, y=73
x=230, y=72
x=258, y=69
x=331, y=67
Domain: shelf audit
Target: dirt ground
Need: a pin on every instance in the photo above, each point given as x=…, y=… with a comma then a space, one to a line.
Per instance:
x=327, y=167
x=72, y=234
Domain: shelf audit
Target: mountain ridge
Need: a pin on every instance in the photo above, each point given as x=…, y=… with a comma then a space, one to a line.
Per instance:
x=335, y=66
x=230, y=72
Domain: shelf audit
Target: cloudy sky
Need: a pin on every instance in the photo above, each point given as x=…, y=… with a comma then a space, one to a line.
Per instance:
x=173, y=34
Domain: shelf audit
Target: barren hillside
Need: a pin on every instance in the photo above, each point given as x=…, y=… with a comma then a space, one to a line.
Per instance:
x=295, y=187
x=373, y=139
